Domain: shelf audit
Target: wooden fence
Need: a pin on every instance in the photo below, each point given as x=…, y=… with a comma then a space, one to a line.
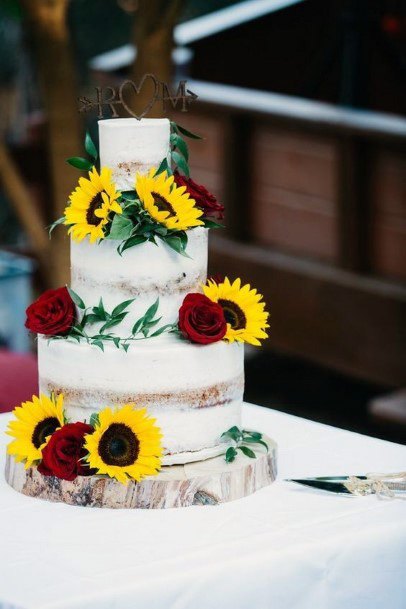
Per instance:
x=316, y=218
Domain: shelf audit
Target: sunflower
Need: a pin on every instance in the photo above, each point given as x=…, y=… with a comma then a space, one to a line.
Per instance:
x=244, y=312
x=125, y=444
x=167, y=203
x=90, y=205
x=35, y=422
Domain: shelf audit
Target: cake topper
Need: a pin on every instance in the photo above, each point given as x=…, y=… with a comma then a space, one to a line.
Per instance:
x=111, y=97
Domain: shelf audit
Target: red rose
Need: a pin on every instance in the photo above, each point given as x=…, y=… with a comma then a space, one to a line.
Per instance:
x=54, y=313
x=61, y=456
x=201, y=320
x=204, y=199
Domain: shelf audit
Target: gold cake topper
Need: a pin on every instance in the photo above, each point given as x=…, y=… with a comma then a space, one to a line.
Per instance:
x=113, y=97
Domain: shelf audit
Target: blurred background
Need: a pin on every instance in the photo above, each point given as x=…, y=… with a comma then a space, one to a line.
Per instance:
x=302, y=106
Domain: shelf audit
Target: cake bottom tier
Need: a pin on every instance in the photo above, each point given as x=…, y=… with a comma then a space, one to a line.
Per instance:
x=194, y=391
x=209, y=482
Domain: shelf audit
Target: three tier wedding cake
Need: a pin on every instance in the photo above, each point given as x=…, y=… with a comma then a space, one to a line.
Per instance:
x=141, y=358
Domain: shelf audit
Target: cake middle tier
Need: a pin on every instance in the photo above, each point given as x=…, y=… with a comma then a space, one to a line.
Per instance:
x=144, y=273
x=194, y=391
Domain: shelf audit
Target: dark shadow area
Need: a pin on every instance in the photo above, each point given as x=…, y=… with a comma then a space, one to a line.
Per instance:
x=307, y=390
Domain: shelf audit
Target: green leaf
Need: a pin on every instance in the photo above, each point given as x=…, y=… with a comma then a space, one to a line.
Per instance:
x=116, y=341
x=101, y=306
x=113, y=322
x=152, y=323
x=253, y=434
x=253, y=441
x=164, y=166
x=121, y=307
x=161, y=330
x=80, y=163
x=183, y=238
x=94, y=419
x=184, y=131
x=150, y=313
x=176, y=244
x=137, y=325
x=129, y=195
x=126, y=346
x=57, y=222
x=231, y=454
x=178, y=142
x=234, y=433
x=100, y=313
x=181, y=162
x=136, y=240
x=90, y=147
x=162, y=231
x=72, y=336
x=83, y=321
x=212, y=223
x=91, y=318
x=247, y=452
x=121, y=228
x=76, y=299
x=77, y=330
x=99, y=344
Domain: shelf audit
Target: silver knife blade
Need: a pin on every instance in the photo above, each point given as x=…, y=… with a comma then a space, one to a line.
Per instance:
x=331, y=484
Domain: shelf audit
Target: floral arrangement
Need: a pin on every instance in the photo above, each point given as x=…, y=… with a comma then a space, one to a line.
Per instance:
x=225, y=311
x=54, y=315
x=122, y=443
x=163, y=205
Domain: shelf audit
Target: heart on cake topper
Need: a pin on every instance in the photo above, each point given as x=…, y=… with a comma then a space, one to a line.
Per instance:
x=137, y=88
x=110, y=97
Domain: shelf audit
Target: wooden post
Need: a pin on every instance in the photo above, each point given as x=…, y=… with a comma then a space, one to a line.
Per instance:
x=153, y=37
x=47, y=22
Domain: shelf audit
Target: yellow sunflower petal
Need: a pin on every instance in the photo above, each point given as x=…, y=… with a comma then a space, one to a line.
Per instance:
x=34, y=423
x=244, y=312
x=126, y=443
x=91, y=204
x=166, y=203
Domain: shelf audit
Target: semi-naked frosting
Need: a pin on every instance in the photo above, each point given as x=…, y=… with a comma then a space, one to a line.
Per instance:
x=145, y=272
x=128, y=146
x=194, y=391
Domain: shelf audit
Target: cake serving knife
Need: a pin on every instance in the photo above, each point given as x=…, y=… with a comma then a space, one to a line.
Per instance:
x=383, y=485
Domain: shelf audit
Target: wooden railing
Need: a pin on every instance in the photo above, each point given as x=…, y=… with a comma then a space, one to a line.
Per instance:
x=316, y=218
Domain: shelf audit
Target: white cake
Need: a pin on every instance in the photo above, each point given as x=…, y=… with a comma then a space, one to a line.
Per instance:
x=194, y=391
x=128, y=146
x=145, y=272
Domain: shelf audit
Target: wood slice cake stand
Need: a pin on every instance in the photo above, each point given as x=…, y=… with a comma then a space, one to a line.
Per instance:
x=208, y=482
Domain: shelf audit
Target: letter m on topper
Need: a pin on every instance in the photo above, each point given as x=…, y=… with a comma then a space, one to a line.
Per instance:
x=182, y=94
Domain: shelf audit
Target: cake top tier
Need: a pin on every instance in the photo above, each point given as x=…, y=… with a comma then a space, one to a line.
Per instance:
x=129, y=145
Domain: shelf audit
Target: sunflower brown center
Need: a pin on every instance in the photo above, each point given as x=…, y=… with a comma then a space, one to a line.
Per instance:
x=119, y=445
x=233, y=314
x=95, y=203
x=162, y=204
x=43, y=429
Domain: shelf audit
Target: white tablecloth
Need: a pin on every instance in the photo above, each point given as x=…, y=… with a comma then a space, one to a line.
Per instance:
x=284, y=547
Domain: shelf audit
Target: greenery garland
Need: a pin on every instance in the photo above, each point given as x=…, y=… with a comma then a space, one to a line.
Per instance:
x=141, y=329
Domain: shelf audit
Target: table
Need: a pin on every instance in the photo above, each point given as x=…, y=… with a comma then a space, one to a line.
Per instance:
x=285, y=547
